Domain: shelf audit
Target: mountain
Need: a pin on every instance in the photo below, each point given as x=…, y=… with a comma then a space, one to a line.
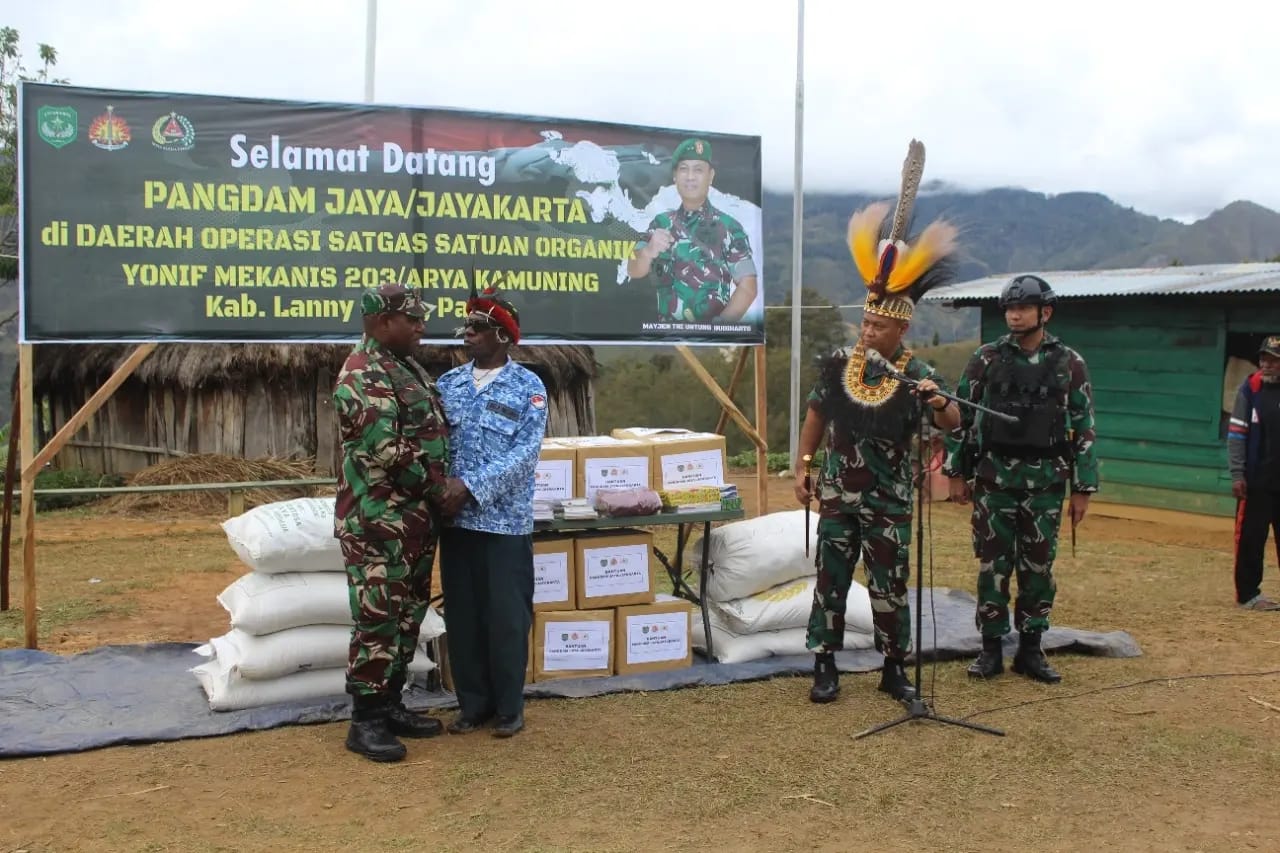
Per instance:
x=1009, y=230
x=1240, y=231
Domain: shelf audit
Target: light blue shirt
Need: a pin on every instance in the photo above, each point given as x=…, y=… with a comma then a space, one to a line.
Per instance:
x=495, y=437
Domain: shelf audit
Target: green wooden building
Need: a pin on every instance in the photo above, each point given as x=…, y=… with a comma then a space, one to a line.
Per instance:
x=1167, y=348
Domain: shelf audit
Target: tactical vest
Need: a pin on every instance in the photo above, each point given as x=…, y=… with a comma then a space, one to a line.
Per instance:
x=1032, y=393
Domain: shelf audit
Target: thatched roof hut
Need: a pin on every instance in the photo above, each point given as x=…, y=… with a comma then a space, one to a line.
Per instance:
x=248, y=400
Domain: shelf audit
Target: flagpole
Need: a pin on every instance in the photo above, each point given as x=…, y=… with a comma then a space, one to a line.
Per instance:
x=797, y=241
x=370, y=47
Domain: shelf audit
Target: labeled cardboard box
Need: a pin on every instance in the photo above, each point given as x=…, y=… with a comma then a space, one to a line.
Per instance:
x=644, y=433
x=653, y=637
x=554, y=572
x=614, y=569
x=554, y=478
x=682, y=460
x=572, y=644
x=604, y=462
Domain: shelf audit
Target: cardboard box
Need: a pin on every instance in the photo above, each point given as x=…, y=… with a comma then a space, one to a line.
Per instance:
x=653, y=637
x=611, y=463
x=554, y=572
x=689, y=459
x=614, y=569
x=572, y=644
x=554, y=479
x=644, y=433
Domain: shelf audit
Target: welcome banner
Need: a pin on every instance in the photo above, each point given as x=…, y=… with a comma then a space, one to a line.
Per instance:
x=150, y=216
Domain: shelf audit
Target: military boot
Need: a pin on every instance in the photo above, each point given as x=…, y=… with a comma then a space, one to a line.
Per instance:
x=826, y=678
x=403, y=722
x=990, y=662
x=894, y=681
x=1030, y=660
x=370, y=734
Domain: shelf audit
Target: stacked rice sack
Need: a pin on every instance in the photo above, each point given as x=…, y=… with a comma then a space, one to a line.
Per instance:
x=760, y=588
x=290, y=615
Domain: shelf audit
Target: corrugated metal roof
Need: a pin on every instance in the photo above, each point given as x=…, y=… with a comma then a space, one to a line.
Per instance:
x=1161, y=281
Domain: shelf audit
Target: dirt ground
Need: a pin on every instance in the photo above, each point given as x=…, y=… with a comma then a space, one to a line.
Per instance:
x=1186, y=760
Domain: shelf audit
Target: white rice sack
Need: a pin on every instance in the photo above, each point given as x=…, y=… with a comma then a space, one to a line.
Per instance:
x=302, y=649
x=231, y=693
x=265, y=603
x=286, y=536
x=788, y=605
x=739, y=648
x=753, y=555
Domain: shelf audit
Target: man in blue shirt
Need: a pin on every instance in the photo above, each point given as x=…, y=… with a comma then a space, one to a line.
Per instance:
x=497, y=412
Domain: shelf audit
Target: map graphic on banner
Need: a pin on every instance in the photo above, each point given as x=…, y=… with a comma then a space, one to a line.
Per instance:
x=169, y=217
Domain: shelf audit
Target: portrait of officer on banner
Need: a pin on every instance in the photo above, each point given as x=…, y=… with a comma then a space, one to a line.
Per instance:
x=698, y=256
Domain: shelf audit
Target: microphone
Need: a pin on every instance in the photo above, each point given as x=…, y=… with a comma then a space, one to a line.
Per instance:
x=882, y=363
x=874, y=357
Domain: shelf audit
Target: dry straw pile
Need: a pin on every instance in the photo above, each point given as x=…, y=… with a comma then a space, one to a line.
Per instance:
x=213, y=468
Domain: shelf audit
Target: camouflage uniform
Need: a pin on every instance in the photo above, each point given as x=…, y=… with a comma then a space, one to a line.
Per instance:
x=865, y=507
x=710, y=251
x=395, y=461
x=1017, y=499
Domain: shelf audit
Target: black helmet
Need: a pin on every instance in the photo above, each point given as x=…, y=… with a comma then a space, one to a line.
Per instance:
x=1027, y=290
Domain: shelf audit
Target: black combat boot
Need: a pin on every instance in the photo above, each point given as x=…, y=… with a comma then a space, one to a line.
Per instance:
x=1030, y=660
x=990, y=662
x=894, y=681
x=826, y=678
x=370, y=734
x=404, y=722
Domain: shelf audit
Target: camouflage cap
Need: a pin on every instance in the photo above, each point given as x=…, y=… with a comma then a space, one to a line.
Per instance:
x=393, y=298
x=1271, y=346
x=692, y=149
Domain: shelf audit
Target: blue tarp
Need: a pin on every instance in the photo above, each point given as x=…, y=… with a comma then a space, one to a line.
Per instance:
x=144, y=693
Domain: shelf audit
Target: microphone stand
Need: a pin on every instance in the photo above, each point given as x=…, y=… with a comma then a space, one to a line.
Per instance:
x=917, y=707
x=888, y=369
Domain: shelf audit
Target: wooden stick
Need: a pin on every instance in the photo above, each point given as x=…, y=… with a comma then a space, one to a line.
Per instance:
x=73, y=424
x=27, y=511
x=808, y=797
x=1266, y=705
x=762, y=425
x=32, y=462
x=10, y=475
x=717, y=392
x=738, y=370
x=129, y=793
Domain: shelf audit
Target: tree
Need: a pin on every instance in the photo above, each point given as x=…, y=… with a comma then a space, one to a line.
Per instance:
x=822, y=331
x=12, y=71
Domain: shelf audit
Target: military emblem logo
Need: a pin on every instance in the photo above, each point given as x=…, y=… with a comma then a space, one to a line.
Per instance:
x=697, y=146
x=173, y=132
x=110, y=132
x=56, y=125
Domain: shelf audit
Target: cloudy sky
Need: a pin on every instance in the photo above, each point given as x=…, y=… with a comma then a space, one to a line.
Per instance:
x=1175, y=115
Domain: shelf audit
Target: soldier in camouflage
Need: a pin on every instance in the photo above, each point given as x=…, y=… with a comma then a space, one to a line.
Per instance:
x=699, y=255
x=1017, y=475
x=865, y=491
x=395, y=456
x=868, y=402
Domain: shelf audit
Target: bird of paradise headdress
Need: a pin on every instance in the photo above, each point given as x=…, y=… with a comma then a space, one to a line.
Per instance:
x=896, y=270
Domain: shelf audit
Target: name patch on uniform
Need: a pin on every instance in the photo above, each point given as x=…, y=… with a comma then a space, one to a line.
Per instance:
x=505, y=411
